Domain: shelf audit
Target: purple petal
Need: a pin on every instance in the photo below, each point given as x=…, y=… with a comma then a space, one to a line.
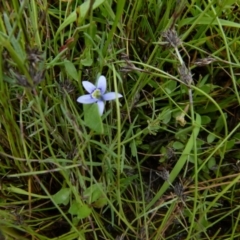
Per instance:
x=111, y=95
x=88, y=86
x=100, y=107
x=102, y=84
x=87, y=99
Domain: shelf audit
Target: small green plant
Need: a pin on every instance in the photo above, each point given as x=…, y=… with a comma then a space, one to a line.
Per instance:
x=160, y=162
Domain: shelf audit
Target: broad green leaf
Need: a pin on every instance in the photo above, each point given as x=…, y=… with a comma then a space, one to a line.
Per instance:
x=100, y=202
x=71, y=70
x=230, y=144
x=220, y=123
x=84, y=211
x=211, y=137
x=207, y=88
x=170, y=86
x=165, y=115
x=62, y=196
x=191, y=159
x=74, y=208
x=237, y=136
x=93, y=192
x=87, y=61
x=211, y=163
x=178, y=145
x=92, y=118
x=81, y=211
x=206, y=120
x=200, y=142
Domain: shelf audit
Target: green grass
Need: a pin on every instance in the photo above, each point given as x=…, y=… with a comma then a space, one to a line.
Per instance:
x=162, y=162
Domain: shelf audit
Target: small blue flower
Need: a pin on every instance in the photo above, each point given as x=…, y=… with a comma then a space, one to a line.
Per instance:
x=97, y=94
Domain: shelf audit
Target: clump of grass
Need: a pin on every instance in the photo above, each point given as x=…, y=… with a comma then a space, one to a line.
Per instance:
x=161, y=163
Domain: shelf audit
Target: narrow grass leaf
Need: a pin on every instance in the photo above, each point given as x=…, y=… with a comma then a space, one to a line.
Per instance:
x=207, y=20
x=23, y=192
x=181, y=161
x=12, y=38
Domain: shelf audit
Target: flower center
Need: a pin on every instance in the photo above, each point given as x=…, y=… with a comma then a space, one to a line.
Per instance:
x=96, y=94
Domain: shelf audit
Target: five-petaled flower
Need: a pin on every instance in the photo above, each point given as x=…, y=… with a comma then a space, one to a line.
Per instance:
x=97, y=94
